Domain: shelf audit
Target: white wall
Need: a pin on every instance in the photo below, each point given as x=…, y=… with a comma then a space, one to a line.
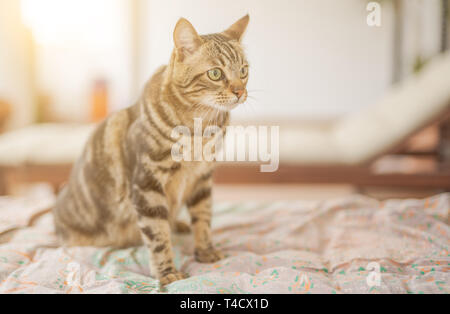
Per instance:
x=309, y=58
x=422, y=29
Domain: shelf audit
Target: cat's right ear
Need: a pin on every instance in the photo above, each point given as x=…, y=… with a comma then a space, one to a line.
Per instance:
x=186, y=39
x=237, y=30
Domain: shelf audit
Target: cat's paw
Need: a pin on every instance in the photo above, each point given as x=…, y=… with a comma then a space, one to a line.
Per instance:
x=182, y=227
x=208, y=256
x=168, y=279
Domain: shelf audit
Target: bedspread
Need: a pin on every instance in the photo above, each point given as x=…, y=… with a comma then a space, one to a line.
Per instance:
x=349, y=245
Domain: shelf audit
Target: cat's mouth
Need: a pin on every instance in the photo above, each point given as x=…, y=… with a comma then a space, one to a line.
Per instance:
x=226, y=106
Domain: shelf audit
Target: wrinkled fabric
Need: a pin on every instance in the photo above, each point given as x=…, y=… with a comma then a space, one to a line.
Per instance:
x=349, y=245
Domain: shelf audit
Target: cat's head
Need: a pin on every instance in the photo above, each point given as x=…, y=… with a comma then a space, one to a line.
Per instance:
x=210, y=71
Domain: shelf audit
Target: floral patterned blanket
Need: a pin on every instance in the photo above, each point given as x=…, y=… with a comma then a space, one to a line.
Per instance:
x=350, y=245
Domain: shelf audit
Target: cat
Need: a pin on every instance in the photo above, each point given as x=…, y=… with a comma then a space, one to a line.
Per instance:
x=126, y=189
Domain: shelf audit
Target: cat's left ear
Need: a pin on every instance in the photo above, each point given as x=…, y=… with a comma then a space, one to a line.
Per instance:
x=186, y=39
x=237, y=30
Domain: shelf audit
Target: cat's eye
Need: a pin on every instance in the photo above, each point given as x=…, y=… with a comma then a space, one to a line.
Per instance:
x=215, y=74
x=244, y=72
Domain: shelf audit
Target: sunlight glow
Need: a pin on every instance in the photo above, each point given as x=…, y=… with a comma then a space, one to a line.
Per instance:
x=69, y=22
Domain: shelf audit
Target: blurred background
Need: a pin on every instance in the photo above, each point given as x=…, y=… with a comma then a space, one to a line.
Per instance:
x=312, y=61
x=309, y=59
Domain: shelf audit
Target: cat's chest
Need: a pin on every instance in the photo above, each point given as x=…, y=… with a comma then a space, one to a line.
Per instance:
x=182, y=183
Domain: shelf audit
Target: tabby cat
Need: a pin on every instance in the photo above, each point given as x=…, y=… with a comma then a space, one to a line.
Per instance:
x=126, y=189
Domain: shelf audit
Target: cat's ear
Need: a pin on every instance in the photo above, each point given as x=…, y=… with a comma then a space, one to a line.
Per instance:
x=186, y=39
x=237, y=30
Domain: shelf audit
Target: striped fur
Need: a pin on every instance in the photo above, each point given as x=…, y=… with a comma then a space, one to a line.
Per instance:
x=126, y=189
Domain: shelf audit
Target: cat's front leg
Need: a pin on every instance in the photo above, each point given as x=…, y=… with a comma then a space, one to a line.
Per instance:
x=156, y=236
x=151, y=205
x=199, y=206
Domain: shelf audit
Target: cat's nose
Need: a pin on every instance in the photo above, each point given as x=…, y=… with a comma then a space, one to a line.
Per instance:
x=238, y=92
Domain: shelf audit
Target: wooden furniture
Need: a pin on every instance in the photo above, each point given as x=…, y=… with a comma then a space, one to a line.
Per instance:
x=359, y=176
x=408, y=167
x=40, y=153
x=423, y=161
x=55, y=175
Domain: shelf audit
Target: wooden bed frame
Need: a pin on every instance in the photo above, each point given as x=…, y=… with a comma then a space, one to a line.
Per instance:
x=431, y=168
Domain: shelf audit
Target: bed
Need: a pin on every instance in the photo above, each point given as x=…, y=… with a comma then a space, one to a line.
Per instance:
x=352, y=244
